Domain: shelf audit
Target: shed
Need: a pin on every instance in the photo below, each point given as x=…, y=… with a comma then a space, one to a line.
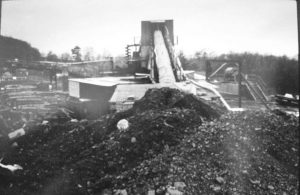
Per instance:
x=90, y=96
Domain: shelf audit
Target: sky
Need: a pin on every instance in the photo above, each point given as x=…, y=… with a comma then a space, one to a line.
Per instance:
x=107, y=26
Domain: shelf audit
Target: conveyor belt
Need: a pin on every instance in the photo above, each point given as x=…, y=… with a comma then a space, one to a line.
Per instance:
x=163, y=62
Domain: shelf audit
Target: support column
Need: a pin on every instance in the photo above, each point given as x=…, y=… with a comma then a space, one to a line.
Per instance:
x=240, y=83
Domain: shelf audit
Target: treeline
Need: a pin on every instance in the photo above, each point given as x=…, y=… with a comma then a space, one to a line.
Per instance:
x=87, y=54
x=11, y=48
x=279, y=72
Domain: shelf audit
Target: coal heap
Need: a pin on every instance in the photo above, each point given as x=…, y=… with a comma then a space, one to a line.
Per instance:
x=245, y=153
x=172, y=98
x=172, y=137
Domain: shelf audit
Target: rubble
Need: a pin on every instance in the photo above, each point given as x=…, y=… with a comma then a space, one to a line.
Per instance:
x=173, y=139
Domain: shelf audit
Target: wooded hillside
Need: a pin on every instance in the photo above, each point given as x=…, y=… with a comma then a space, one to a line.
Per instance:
x=279, y=72
x=11, y=48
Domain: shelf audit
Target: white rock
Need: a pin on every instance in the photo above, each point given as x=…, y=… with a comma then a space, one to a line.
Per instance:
x=287, y=95
x=12, y=168
x=133, y=140
x=216, y=188
x=179, y=186
x=270, y=187
x=173, y=191
x=120, y=192
x=220, y=180
x=123, y=125
x=45, y=122
x=151, y=192
x=73, y=120
x=17, y=133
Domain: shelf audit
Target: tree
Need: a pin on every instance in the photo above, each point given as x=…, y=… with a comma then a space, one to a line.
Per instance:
x=76, y=52
x=286, y=76
x=278, y=72
x=105, y=55
x=34, y=54
x=52, y=57
x=11, y=48
x=65, y=57
x=183, y=60
x=89, y=54
x=200, y=55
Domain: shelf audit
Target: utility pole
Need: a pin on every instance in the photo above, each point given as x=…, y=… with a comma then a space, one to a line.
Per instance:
x=240, y=83
x=298, y=7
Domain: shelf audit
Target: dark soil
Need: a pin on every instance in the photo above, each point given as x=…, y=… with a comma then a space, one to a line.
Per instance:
x=172, y=137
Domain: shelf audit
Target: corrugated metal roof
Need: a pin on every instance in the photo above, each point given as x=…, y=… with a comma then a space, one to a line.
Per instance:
x=137, y=91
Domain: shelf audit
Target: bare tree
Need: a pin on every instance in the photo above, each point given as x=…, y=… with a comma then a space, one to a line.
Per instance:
x=89, y=54
x=65, y=57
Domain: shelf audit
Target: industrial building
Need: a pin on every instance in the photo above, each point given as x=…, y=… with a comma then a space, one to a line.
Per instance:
x=154, y=64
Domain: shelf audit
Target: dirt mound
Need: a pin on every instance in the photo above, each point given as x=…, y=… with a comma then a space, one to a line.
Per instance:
x=166, y=98
x=158, y=99
x=232, y=156
x=57, y=150
x=60, y=147
x=173, y=98
x=149, y=134
x=167, y=141
x=205, y=110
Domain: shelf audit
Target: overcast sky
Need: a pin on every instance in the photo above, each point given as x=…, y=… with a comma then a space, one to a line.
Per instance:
x=219, y=26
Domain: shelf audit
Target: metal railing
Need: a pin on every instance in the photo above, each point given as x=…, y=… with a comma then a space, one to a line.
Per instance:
x=261, y=83
x=255, y=92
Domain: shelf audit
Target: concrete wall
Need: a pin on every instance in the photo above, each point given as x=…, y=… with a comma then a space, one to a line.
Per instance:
x=97, y=97
x=233, y=89
x=100, y=96
x=230, y=88
x=74, y=90
x=96, y=92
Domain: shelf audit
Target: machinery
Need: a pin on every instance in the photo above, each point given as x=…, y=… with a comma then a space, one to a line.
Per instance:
x=226, y=76
x=230, y=73
x=156, y=56
x=287, y=100
x=157, y=60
